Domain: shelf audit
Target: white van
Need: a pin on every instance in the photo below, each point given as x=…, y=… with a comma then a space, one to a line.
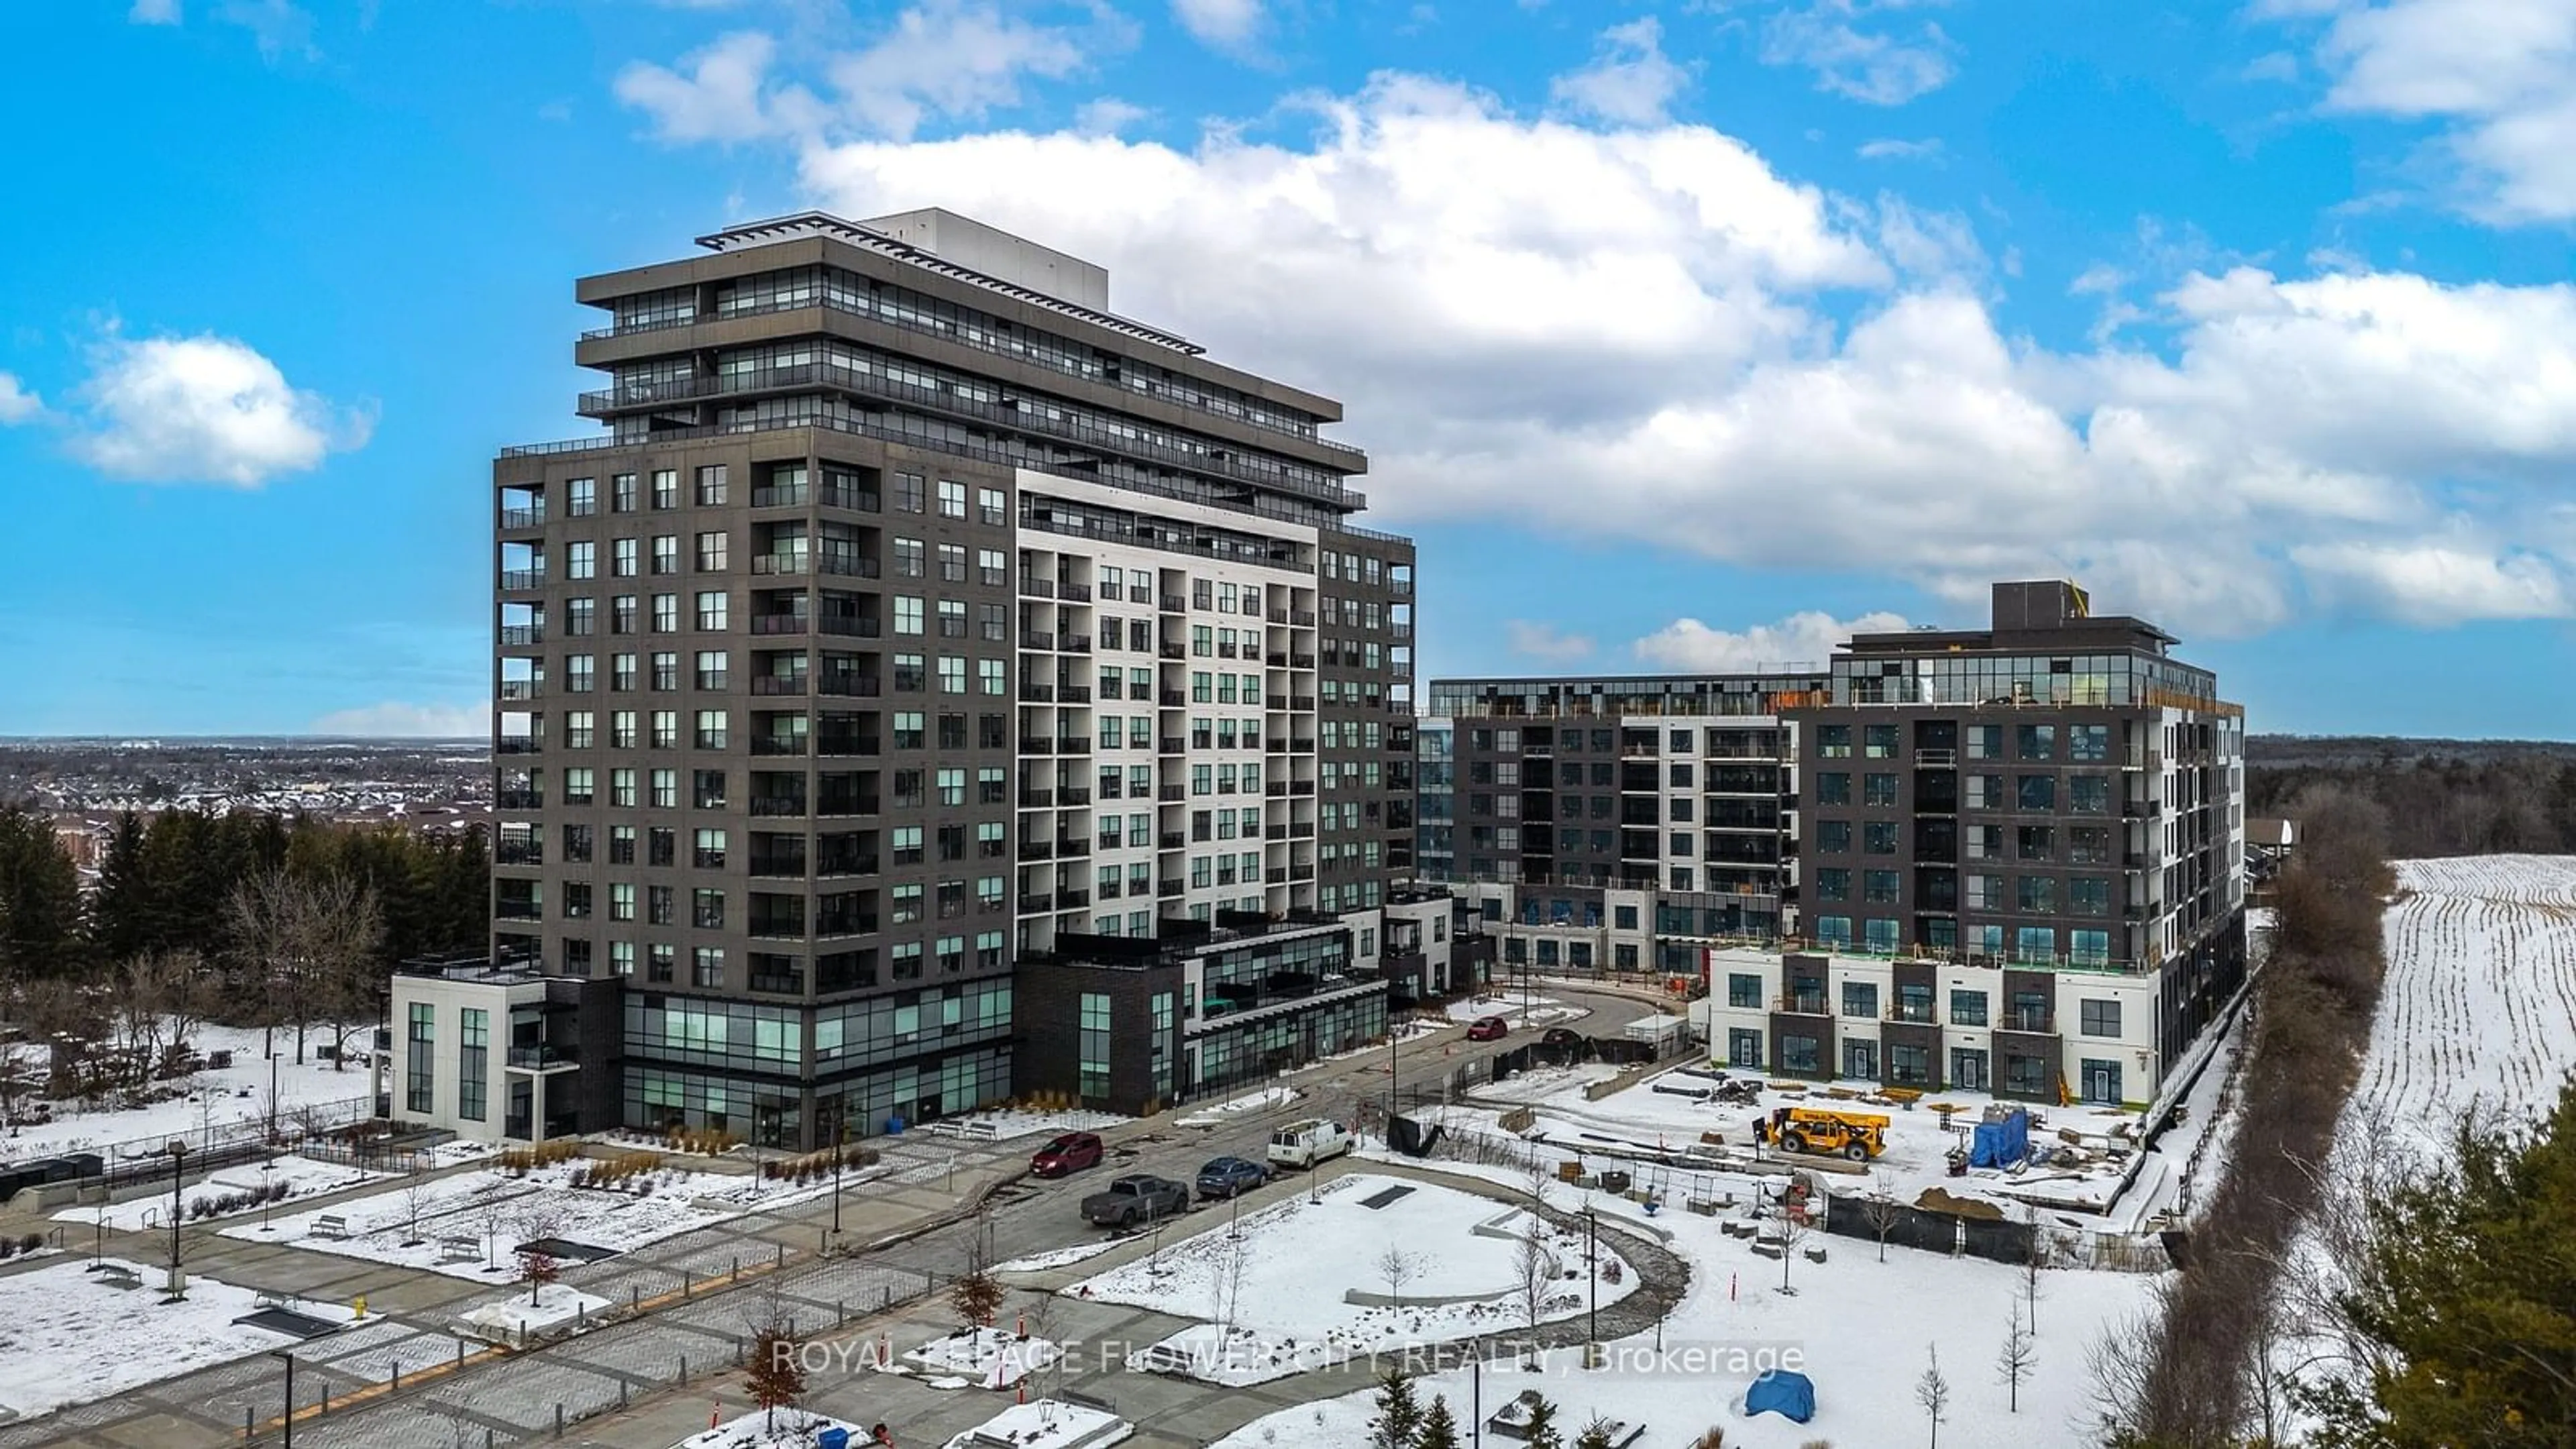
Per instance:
x=1303, y=1144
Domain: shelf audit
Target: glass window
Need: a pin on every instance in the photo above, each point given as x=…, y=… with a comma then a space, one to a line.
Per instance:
x=2098, y=1018
x=1833, y=787
x=2036, y=741
x=2038, y=792
x=1967, y=1008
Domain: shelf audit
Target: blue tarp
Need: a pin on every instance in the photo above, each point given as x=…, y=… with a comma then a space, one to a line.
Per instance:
x=1781, y=1392
x=2001, y=1144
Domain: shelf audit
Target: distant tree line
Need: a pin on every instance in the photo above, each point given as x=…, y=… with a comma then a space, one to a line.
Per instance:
x=2440, y=797
x=283, y=922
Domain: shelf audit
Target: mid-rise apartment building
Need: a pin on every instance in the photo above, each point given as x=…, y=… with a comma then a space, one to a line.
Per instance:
x=1623, y=823
x=2024, y=862
x=914, y=611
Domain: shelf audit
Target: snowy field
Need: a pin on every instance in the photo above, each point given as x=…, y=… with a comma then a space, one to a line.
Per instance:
x=1064, y=1257
x=1278, y=1300
x=211, y=1101
x=406, y=1225
x=512, y=1318
x=1048, y=1424
x=1860, y=1329
x=2478, y=1012
x=304, y=1178
x=68, y=1335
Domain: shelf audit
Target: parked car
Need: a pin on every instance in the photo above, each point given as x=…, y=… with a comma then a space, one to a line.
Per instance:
x=1071, y=1152
x=1488, y=1028
x=1230, y=1176
x=1137, y=1198
x=1304, y=1144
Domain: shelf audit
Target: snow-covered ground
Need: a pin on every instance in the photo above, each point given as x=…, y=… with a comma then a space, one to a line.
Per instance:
x=1064, y=1257
x=514, y=1317
x=69, y=1335
x=1049, y=1424
x=304, y=1178
x=1651, y=1117
x=1278, y=1299
x=2478, y=1012
x=764, y=1429
x=1521, y=1011
x=1009, y=1124
x=1858, y=1328
x=989, y=1358
x=1221, y=1112
x=407, y=1224
x=209, y=1103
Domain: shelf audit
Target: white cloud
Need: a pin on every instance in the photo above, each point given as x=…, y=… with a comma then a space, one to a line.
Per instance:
x=1630, y=81
x=154, y=12
x=280, y=28
x=1107, y=116
x=940, y=59
x=1545, y=642
x=1890, y=149
x=2437, y=584
x=722, y=97
x=2499, y=75
x=17, y=405
x=1803, y=639
x=2279, y=65
x=408, y=721
x=1646, y=334
x=1228, y=25
x=204, y=409
x=1871, y=65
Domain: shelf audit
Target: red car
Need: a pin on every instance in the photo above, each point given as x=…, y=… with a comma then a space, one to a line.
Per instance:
x=1072, y=1152
x=1488, y=1028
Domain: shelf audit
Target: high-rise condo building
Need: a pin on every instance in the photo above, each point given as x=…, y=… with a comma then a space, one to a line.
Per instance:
x=916, y=618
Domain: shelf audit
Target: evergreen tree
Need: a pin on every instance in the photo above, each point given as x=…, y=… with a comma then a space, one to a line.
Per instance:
x=1439, y=1428
x=41, y=889
x=1399, y=1415
x=1540, y=1430
x=119, y=909
x=2466, y=1292
x=1595, y=1435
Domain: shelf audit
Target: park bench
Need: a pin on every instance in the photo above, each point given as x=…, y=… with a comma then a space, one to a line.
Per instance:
x=331, y=1225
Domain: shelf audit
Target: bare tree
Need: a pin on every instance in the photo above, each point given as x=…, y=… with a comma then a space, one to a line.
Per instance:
x=2013, y=1362
x=1933, y=1392
x=417, y=1194
x=309, y=945
x=1881, y=1210
x=2031, y=1267
x=1533, y=1269
x=1230, y=1284
x=1793, y=1231
x=1397, y=1267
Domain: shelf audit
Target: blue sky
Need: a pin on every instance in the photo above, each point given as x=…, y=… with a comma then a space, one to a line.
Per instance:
x=1681, y=336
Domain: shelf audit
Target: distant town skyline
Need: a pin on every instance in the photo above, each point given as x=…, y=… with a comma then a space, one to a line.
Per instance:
x=1681, y=340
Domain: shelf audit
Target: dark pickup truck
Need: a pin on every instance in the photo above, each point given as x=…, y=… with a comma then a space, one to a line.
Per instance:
x=1137, y=1199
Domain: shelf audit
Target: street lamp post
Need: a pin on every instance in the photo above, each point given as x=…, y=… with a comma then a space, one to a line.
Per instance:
x=265, y=1169
x=178, y=1150
x=840, y=1152
x=1592, y=1261
x=289, y=1359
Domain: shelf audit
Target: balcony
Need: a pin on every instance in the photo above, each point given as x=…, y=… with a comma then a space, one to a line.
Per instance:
x=777, y=684
x=856, y=500
x=1302, y=661
x=1034, y=692
x=1279, y=616
x=520, y=745
x=1074, y=795
x=1036, y=850
x=1277, y=789
x=518, y=852
x=1037, y=588
x=850, y=626
x=1036, y=745
x=1305, y=618
x=1072, y=900
x=1036, y=905
x=1279, y=701
x=520, y=636
x=1801, y=1004
x=778, y=806
x=843, y=863
x=1175, y=699
x=545, y=1058
x=782, y=565
x=838, y=745
x=1174, y=745
x=1175, y=652
x=1077, y=643
x=1073, y=744
x=524, y=517
x=1037, y=799
x=1169, y=889
x=515, y=689
x=781, y=624
x=840, y=805
x=508, y=910
x=1036, y=639
x=792, y=495
x=777, y=865
x=1071, y=847
x=844, y=923
x=520, y=799
x=772, y=745
x=1074, y=693
x=848, y=566
x=2037, y=1023
x=850, y=686
x=1912, y=1016
x=2141, y=809
x=1174, y=840
x=1173, y=794
x=1174, y=604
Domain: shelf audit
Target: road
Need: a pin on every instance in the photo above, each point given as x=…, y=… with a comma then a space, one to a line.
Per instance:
x=626, y=1372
